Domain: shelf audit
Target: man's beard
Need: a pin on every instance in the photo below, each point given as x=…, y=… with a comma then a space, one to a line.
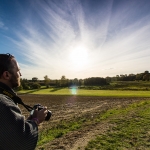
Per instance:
x=15, y=82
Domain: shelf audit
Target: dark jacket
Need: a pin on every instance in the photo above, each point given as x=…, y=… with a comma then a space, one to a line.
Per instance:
x=16, y=133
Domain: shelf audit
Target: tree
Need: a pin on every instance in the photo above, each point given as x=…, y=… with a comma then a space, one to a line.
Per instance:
x=63, y=81
x=35, y=85
x=75, y=81
x=95, y=81
x=19, y=88
x=108, y=79
x=34, y=79
x=139, y=76
x=146, y=77
x=46, y=81
x=81, y=82
x=63, y=78
x=25, y=84
x=57, y=82
x=146, y=72
x=117, y=77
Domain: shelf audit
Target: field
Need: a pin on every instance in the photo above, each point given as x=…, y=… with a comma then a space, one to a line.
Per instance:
x=90, y=122
x=85, y=92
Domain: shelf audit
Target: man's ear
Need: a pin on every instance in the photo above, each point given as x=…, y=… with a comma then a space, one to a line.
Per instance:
x=6, y=75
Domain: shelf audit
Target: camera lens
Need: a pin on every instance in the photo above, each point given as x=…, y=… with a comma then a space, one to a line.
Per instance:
x=49, y=113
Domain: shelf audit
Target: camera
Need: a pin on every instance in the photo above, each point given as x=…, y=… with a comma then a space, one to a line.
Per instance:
x=39, y=107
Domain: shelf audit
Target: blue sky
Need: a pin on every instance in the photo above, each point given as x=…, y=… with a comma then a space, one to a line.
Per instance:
x=76, y=38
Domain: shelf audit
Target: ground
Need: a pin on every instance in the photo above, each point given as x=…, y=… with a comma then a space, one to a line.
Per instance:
x=68, y=108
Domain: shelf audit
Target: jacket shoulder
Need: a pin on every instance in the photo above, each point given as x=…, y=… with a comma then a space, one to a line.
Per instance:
x=5, y=99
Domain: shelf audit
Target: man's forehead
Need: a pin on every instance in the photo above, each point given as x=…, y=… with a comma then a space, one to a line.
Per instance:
x=15, y=63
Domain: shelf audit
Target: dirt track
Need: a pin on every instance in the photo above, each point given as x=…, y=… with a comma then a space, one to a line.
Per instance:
x=70, y=107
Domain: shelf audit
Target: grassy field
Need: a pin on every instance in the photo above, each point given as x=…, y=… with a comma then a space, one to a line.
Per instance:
x=128, y=129
x=114, y=119
x=90, y=122
x=84, y=92
x=131, y=131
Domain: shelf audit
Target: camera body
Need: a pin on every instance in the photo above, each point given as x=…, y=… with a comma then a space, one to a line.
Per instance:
x=39, y=107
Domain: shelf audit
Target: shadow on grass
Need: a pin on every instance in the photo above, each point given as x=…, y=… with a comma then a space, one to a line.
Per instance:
x=36, y=90
x=29, y=92
x=55, y=89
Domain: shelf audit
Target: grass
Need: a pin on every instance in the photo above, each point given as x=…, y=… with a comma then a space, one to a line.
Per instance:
x=58, y=131
x=83, y=92
x=114, y=89
x=132, y=129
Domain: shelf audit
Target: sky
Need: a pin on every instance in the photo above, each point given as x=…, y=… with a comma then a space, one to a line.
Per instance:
x=76, y=38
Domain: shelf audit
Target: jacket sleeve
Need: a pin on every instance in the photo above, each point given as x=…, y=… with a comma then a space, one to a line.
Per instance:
x=16, y=133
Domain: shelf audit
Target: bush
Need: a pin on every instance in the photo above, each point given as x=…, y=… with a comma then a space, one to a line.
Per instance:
x=35, y=86
x=26, y=87
x=19, y=88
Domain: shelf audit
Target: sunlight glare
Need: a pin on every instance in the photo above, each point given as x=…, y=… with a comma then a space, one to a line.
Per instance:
x=79, y=57
x=73, y=90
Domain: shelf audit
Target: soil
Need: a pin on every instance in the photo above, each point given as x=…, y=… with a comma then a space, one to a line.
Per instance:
x=68, y=108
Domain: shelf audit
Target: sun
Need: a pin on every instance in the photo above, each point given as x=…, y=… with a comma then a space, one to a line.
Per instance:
x=79, y=57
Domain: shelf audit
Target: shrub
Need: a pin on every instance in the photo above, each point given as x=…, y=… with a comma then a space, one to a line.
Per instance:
x=35, y=86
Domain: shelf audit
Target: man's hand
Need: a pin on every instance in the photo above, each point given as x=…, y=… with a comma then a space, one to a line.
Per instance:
x=40, y=115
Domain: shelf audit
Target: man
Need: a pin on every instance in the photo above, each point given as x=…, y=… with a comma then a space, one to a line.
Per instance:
x=16, y=133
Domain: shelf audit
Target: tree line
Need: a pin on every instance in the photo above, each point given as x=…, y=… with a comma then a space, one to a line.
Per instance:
x=91, y=81
x=145, y=76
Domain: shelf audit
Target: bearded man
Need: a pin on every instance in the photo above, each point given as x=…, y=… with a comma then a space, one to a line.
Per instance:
x=16, y=133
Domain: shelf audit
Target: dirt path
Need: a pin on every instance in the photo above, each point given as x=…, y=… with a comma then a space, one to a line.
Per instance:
x=92, y=133
x=78, y=139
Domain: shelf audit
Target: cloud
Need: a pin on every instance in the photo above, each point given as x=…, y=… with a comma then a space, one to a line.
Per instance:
x=113, y=40
x=2, y=26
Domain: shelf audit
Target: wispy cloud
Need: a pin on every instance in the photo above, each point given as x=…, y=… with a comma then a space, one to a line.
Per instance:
x=112, y=38
x=2, y=26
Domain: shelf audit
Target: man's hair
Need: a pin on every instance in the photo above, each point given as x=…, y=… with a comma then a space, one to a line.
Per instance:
x=5, y=62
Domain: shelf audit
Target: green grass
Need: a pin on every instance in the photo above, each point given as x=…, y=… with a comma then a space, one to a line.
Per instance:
x=83, y=92
x=114, y=89
x=58, y=131
x=132, y=130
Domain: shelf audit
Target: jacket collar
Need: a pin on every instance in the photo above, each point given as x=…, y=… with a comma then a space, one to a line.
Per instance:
x=4, y=86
